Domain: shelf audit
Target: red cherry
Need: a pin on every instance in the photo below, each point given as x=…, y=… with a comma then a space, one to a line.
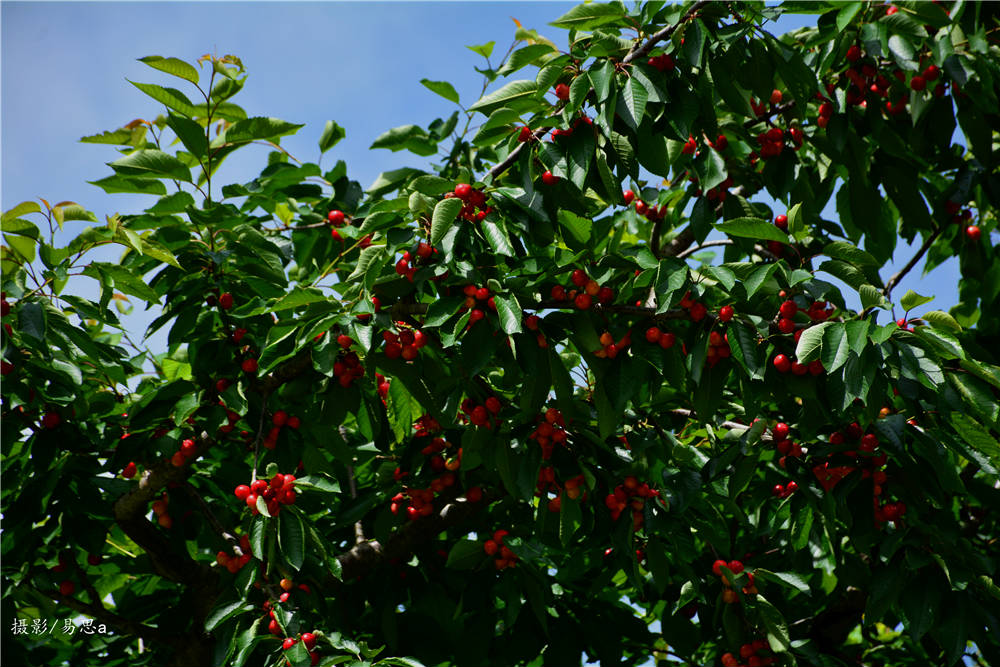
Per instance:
x=781, y=222
x=973, y=232
x=463, y=190
x=67, y=587
x=582, y=301
x=548, y=178
x=249, y=365
x=717, y=567
x=786, y=326
x=854, y=53
x=736, y=566
x=336, y=218
x=129, y=471
x=562, y=91
x=288, y=643
x=294, y=422
x=6, y=368
x=525, y=134
x=51, y=419
x=628, y=196
x=579, y=278
x=932, y=73
x=782, y=363
x=726, y=313
x=780, y=431
x=188, y=448
x=653, y=334
x=918, y=82
x=605, y=295
x=309, y=639
x=242, y=491
x=776, y=96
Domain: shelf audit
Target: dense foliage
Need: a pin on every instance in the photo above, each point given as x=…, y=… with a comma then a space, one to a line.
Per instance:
x=574, y=392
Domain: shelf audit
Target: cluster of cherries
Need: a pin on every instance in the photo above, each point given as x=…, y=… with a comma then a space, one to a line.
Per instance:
x=696, y=310
x=187, y=451
x=279, y=420
x=630, y=494
x=663, y=62
x=477, y=299
x=551, y=430
x=609, y=348
x=404, y=267
x=718, y=348
x=755, y=654
x=495, y=547
x=547, y=484
x=785, y=448
x=348, y=368
x=336, y=218
x=531, y=323
x=729, y=596
x=474, y=207
x=235, y=563
x=279, y=491
x=589, y=289
x=308, y=640
x=783, y=363
x=866, y=79
x=870, y=461
x=657, y=336
x=67, y=586
x=557, y=133
x=960, y=216
x=404, y=344
x=163, y=517
x=772, y=142
x=480, y=415
x=651, y=213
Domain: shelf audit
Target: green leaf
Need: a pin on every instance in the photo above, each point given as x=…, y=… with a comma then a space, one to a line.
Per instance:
x=19, y=227
x=465, y=555
x=846, y=15
x=811, y=342
x=836, y=346
x=300, y=296
x=508, y=96
x=292, y=538
x=174, y=66
x=485, y=50
x=140, y=185
x=388, y=181
x=24, y=208
x=255, y=129
x=31, y=320
x=788, y=579
x=632, y=102
x=169, y=97
x=590, y=15
x=177, y=202
x=774, y=625
x=332, y=134
x=149, y=161
x=443, y=218
x=911, y=300
x=223, y=612
x=524, y=56
x=942, y=320
x=871, y=297
x=497, y=237
x=577, y=228
x=121, y=137
x=752, y=228
x=509, y=311
x=442, y=88
x=849, y=252
x=365, y=260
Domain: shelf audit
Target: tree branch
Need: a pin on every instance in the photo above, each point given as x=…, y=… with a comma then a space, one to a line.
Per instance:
x=913, y=262
x=657, y=37
x=211, y=518
x=548, y=304
x=512, y=157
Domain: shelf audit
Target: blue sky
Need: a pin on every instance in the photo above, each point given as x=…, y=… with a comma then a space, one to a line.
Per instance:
x=66, y=66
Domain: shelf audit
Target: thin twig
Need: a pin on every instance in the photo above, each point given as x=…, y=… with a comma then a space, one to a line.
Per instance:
x=359, y=529
x=657, y=37
x=706, y=244
x=212, y=519
x=913, y=262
